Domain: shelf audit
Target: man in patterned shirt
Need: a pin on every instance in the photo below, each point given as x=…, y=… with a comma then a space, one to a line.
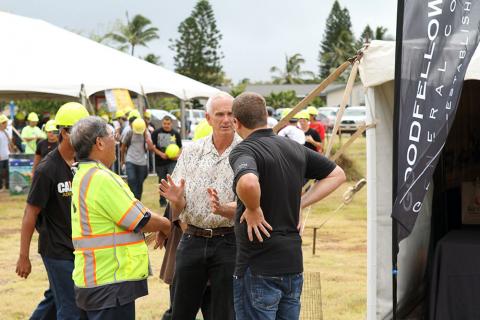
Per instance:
x=200, y=194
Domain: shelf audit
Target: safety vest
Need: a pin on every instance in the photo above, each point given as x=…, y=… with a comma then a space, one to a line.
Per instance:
x=104, y=215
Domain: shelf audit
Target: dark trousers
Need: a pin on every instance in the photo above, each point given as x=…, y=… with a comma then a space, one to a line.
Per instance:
x=125, y=312
x=60, y=278
x=205, y=307
x=46, y=309
x=136, y=175
x=3, y=174
x=198, y=261
x=162, y=172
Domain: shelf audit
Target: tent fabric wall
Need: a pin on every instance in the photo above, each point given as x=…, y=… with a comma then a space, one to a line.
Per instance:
x=377, y=74
x=40, y=57
x=413, y=251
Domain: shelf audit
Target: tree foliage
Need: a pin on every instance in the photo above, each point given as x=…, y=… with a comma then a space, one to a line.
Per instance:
x=137, y=32
x=197, y=50
x=292, y=72
x=152, y=58
x=368, y=35
x=338, y=42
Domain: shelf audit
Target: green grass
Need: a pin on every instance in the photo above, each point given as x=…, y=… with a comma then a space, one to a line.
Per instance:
x=340, y=256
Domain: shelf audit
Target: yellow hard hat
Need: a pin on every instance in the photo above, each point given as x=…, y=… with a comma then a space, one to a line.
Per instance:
x=20, y=115
x=285, y=112
x=51, y=125
x=3, y=118
x=105, y=117
x=147, y=114
x=69, y=113
x=138, y=126
x=134, y=113
x=172, y=151
x=32, y=116
x=302, y=115
x=202, y=129
x=312, y=110
x=119, y=114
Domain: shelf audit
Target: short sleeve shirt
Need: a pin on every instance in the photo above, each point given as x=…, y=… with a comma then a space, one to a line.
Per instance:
x=202, y=167
x=51, y=190
x=31, y=132
x=293, y=133
x=44, y=147
x=161, y=139
x=281, y=166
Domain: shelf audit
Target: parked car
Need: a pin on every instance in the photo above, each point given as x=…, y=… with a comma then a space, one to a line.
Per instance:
x=193, y=118
x=353, y=117
x=157, y=117
x=330, y=113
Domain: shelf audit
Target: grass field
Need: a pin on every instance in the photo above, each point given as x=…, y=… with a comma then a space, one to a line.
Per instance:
x=340, y=256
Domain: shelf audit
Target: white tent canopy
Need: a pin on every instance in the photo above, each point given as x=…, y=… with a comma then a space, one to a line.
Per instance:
x=377, y=73
x=38, y=57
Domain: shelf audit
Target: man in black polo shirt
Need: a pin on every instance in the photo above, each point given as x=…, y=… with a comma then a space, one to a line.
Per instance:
x=48, y=210
x=269, y=174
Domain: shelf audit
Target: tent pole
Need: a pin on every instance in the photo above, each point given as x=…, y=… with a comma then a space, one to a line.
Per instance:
x=183, y=119
x=396, y=112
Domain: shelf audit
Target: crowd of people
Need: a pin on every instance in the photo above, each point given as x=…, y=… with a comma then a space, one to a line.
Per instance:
x=231, y=204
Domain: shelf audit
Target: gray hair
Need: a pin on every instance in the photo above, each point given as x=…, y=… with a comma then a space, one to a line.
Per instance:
x=84, y=134
x=216, y=96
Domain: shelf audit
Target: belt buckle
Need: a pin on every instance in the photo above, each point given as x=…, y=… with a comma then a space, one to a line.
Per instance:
x=211, y=233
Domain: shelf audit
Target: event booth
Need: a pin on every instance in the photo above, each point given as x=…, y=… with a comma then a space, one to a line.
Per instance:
x=438, y=264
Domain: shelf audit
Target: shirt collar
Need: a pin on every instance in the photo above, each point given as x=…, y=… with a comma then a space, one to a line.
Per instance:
x=209, y=147
x=266, y=132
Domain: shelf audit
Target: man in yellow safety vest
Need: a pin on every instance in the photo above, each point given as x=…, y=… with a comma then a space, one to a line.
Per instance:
x=111, y=256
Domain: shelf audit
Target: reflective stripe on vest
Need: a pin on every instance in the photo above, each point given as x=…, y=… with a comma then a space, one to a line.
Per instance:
x=82, y=202
x=133, y=215
x=107, y=240
x=89, y=266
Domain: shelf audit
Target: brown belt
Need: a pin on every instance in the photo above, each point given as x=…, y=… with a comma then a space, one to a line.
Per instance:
x=208, y=233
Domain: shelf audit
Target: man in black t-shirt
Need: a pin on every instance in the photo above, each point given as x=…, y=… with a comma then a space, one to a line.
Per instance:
x=46, y=145
x=269, y=174
x=162, y=138
x=312, y=138
x=48, y=210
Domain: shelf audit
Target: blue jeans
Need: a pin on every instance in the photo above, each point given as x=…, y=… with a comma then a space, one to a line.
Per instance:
x=259, y=297
x=61, y=284
x=136, y=175
x=46, y=309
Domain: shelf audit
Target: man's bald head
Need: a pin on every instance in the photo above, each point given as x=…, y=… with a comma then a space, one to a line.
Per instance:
x=250, y=109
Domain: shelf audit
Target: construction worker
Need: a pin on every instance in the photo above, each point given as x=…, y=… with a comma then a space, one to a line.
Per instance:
x=314, y=124
x=48, y=210
x=312, y=138
x=45, y=146
x=111, y=256
x=134, y=156
x=31, y=134
x=291, y=131
x=6, y=147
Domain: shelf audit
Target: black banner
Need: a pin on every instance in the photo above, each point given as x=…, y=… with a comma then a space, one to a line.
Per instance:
x=438, y=40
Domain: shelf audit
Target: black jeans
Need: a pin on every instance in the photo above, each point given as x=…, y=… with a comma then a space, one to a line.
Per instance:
x=198, y=261
x=3, y=174
x=162, y=172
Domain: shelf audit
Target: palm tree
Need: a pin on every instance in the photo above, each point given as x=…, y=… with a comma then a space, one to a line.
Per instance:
x=135, y=33
x=293, y=71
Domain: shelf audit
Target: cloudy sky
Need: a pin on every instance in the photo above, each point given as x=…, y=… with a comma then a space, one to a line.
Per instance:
x=256, y=33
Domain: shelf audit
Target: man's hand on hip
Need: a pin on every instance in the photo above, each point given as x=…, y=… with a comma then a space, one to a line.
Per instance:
x=256, y=222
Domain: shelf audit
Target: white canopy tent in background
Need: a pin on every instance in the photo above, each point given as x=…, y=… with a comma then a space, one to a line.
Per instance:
x=377, y=70
x=43, y=60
